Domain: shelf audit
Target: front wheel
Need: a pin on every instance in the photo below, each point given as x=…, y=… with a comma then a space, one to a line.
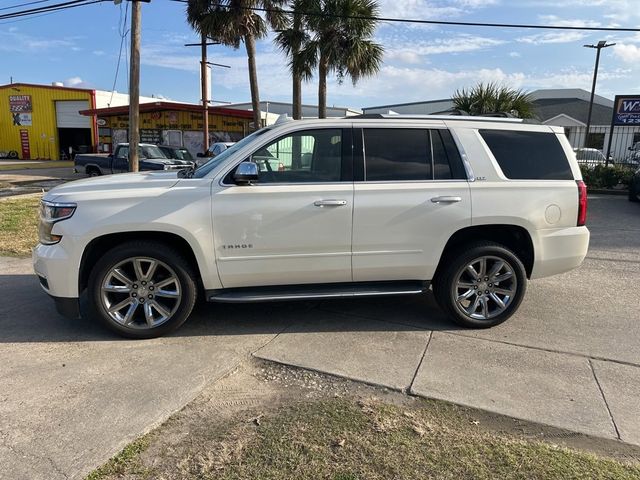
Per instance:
x=142, y=289
x=482, y=285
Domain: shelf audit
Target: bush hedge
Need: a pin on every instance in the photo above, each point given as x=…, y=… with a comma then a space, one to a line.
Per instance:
x=601, y=176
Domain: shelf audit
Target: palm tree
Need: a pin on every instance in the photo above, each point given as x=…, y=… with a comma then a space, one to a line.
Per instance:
x=291, y=42
x=492, y=98
x=232, y=22
x=341, y=42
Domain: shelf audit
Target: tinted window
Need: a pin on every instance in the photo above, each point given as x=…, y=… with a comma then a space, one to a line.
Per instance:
x=397, y=154
x=528, y=155
x=308, y=156
x=447, y=164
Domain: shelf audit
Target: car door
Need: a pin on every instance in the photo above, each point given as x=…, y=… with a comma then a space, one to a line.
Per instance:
x=121, y=160
x=412, y=196
x=292, y=226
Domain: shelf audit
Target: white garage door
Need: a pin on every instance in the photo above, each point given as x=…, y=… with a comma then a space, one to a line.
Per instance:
x=67, y=115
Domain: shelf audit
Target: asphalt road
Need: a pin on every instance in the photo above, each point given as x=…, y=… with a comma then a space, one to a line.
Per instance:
x=72, y=394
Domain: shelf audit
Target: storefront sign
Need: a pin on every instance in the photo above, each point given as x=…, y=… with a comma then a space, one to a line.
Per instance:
x=20, y=103
x=24, y=143
x=626, y=110
x=101, y=122
x=21, y=119
x=151, y=136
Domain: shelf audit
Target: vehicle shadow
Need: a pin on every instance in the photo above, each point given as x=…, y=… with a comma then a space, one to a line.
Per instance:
x=27, y=314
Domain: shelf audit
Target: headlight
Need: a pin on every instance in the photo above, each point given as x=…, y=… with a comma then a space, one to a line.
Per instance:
x=50, y=213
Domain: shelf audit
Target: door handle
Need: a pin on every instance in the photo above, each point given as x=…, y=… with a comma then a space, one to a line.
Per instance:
x=446, y=199
x=330, y=203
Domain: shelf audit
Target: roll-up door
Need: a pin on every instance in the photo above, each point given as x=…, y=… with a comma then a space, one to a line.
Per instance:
x=68, y=116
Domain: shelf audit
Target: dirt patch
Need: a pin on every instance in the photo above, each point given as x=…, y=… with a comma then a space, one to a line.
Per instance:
x=272, y=421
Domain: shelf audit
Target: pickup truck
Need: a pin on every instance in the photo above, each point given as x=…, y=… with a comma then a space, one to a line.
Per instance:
x=151, y=158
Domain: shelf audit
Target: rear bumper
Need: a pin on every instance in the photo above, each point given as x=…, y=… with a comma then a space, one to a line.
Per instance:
x=559, y=250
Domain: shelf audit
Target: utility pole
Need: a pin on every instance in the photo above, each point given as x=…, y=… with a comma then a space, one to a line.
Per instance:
x=601, y=44
x=204, y=77
x=204, y=85
x=134, y=87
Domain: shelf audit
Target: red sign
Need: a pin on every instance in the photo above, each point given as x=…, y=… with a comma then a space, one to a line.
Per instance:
x=24, y=143
x=20, y=103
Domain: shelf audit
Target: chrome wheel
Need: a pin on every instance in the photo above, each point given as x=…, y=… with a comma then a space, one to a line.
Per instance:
x=141, y=292
x=485, y=287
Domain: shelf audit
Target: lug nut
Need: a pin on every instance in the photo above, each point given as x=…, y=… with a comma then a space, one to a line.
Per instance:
x=135, y=286
x=475, y=287
x=487, y=292
x=491, y=285
x=134, y=294
x=150, y=296
x=151, y=287
x=143, y=283
x=486, y=278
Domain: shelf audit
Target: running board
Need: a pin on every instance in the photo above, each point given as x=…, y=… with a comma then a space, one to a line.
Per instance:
x=306, y=292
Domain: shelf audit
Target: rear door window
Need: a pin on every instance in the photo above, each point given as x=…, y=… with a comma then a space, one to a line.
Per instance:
x=528, y=155
x=401, y=154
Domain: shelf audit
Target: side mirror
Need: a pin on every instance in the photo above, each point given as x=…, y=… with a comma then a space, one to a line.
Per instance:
x=246, y=172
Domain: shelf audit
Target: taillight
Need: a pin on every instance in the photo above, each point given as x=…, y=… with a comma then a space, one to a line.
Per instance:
x=582, y=203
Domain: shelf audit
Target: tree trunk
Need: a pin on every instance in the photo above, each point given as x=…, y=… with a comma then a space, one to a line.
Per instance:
x=250, y=44
x=297, y=96
x=322, y=87
x=297, y=78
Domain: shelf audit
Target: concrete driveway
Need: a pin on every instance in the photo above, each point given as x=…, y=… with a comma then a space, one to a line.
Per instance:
x=71, y=394
x=569, y=358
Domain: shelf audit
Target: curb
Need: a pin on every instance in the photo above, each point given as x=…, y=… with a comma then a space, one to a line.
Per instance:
x=604, y=191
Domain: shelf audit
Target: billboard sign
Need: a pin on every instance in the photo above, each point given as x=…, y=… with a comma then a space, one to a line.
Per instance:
x=626, y=110
x=22, y=119
x=20, y=103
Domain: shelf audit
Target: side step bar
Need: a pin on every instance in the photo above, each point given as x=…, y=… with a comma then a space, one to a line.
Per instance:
x=306, y=292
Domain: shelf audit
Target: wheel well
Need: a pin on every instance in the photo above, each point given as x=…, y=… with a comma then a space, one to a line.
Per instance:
x=98, y=246
x=515, y=238
x=92, y=168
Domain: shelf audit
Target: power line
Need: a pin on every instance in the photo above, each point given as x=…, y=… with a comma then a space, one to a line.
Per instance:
x=24, y=4
x=122, y=30
x=50, y=8
x=433, y=22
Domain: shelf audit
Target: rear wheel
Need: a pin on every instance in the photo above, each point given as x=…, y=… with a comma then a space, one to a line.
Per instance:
x=142, y=289
x=634, y=192
x=482, y=285
x=93, y=172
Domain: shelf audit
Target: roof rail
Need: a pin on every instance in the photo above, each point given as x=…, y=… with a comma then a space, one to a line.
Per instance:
x=489, y=118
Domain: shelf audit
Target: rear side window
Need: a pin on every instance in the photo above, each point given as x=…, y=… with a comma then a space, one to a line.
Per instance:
x=411, y=154
x=528, y=155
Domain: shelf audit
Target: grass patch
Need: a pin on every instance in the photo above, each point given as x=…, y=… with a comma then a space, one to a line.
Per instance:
x=36, y=166
x=342, y=439
x=19, y=225
x=124, y=462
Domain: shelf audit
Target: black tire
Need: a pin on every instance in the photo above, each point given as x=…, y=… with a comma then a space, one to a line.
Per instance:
x=179, y=268
x=633, y=193
x=444, y=284
x=13, y=154
x=93, y=172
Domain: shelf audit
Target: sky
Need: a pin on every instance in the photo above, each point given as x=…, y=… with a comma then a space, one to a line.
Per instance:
x=80, y=47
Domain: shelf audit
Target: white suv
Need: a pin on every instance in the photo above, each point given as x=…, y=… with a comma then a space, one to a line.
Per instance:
x=324, y=208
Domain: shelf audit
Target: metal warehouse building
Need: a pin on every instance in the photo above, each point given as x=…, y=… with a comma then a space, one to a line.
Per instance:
x=50, y=121
x=42, y=121
x=171, y=123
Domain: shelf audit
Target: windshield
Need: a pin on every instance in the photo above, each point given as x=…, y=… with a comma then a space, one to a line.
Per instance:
x=151, y=151
x=214, y=162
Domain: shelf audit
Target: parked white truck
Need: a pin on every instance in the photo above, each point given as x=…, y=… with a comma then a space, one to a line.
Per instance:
x=323, y=208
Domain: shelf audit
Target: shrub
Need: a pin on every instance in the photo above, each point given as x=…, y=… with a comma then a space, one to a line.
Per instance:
x=601, y=176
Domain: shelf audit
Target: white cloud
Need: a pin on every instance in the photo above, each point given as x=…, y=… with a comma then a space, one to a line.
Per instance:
x=563, y=22
x=98, y=53
x=515, y=54
x=553, y=37
x=628, y=53
x=76, y=82
x=412, y=50
x=12, y=41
